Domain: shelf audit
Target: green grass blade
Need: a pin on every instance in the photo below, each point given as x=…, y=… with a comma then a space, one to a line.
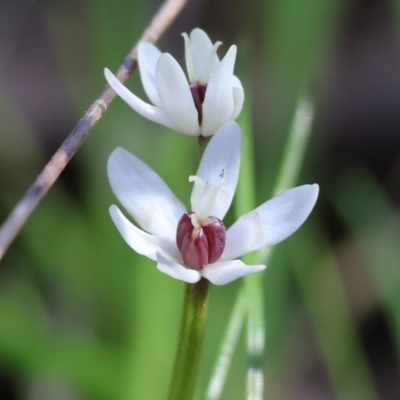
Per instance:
x=227, y=348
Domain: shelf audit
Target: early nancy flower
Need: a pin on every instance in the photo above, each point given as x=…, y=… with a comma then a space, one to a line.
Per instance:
x=189, y=245
x=197, y=105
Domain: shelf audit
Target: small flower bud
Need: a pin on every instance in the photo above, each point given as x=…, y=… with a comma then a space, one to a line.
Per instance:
x=200, y=245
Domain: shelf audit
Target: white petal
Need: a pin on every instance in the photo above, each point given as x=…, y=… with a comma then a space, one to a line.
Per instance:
x=148, y=55
x=224, y=272
x=140, y=241
x=218, y=102
x=220, y=165
x=146, y=110
x=271, y=222
x=238, y=98
x=144, y=195
x=175, y=96
x=202, y=47
x=176, y=270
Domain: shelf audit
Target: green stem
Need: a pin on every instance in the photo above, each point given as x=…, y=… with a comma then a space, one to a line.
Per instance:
x=296, y=145
x=190, y=343
x=202, y=144
x=244, y=202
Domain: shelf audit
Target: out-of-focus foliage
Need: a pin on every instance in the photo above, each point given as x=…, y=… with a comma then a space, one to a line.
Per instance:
x=83, y=317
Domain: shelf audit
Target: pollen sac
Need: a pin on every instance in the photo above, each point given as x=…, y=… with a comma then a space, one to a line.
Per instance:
x=199, y=93
x=200, y=245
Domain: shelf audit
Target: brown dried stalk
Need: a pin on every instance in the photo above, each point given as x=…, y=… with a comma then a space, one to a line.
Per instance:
x=25, y=207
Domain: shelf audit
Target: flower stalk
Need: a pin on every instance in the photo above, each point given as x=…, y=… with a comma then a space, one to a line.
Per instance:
x=190, y=343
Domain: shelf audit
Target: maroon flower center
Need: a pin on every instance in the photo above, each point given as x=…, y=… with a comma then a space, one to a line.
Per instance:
x=199, y=93
x=202, y=245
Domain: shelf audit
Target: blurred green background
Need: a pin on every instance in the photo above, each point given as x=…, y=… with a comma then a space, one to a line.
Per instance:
x=83, y=317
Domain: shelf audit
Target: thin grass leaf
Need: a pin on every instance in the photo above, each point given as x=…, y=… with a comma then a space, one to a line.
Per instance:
x=227, y=348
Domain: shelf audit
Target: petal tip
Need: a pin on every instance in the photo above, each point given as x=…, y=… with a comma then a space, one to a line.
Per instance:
x=143, y=44
x=232, y=51
x=109, y=75
x=113, y=209
x=116, y=155
x=314, y=190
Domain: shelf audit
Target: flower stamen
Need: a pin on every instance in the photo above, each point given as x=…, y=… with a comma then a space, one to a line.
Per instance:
x=211, y=200
x=197, y=194
x=193, y=220
x=199, y=190
x=210, y=62
x=189, y=59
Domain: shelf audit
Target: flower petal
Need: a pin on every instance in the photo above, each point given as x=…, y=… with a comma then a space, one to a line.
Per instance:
x=175, y=96
x=224, y=272
x=176, y=270
x=220, y=165
x=146, y=110
x=140, y=241
x=144, y=195
x=148, y=55
x=238, y=97
x=271, y=222
x=202, y=47
x=218, y=102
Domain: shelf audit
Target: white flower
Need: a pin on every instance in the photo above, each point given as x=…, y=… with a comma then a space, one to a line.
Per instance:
x=212, y=96
x=158, y=212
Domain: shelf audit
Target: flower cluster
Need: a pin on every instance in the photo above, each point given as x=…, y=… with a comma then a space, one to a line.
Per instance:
x=189, y=245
